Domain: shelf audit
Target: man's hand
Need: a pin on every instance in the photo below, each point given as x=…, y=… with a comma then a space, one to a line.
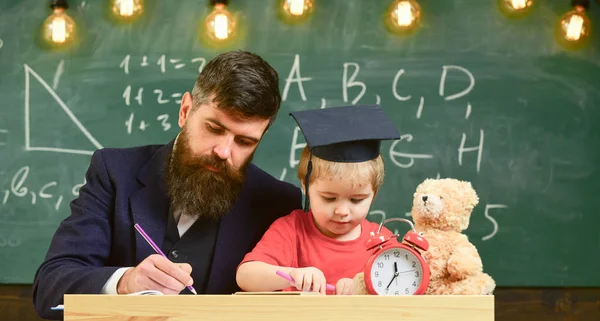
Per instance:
x=156, y=273
x=309, y=279
x=343, y=286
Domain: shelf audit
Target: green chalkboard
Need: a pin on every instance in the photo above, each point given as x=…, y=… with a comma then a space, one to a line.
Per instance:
x=476, y=95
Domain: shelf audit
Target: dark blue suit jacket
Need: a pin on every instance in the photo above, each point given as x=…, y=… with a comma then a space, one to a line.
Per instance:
x=127, y=186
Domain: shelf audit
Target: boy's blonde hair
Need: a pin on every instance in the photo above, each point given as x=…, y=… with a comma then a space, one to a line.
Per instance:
x=352, y=173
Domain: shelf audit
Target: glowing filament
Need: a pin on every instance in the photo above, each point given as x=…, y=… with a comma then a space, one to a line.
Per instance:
x=59, y=30
x=404, y=14
x=126, y=8
x=519, y=4
x=574, y=28
x=221, y=27
x=296, y=7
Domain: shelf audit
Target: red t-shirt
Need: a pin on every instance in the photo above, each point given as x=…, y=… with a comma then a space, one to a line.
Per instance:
x=295, y=241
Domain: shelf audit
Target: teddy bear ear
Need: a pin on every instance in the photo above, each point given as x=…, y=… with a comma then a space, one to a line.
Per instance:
x=472, y=194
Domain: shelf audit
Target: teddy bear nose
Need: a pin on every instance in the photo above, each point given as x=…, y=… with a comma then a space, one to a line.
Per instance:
x=424, y=198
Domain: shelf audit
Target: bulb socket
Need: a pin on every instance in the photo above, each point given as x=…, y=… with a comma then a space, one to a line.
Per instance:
x=62, y=4
x=582, y=3
x=219, y=2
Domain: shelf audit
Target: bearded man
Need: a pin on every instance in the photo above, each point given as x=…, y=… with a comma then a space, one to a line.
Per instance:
x=199, y=197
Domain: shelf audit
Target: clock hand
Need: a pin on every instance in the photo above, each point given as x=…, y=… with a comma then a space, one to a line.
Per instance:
x=395, y=275
x=405, y=272
x=392, y=280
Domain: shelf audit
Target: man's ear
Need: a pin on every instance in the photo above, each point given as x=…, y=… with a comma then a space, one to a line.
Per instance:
x=185, y=109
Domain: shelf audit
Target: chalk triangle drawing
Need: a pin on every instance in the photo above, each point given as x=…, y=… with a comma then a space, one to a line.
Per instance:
x=30, y=72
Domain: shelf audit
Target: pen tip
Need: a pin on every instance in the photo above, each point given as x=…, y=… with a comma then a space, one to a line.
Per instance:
x=194, y=291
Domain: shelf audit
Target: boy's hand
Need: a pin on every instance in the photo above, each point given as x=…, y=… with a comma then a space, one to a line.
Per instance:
x=343, y=286
x=309, y=279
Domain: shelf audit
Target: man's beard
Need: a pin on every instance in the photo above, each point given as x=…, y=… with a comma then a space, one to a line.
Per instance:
x=198, y=191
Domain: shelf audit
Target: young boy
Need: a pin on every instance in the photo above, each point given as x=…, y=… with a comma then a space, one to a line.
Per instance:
x=341, y=170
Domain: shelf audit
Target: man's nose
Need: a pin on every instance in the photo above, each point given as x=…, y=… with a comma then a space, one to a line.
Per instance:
x=223, y=148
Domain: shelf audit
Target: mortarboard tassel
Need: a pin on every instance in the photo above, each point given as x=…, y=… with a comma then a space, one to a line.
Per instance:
x=306, y=179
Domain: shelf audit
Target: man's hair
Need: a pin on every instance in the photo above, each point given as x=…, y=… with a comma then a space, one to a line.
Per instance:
x=240, y=83
x=371, y=171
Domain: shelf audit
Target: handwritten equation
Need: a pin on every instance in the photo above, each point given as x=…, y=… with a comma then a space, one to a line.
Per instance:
x=136, y=95
x=162, y=63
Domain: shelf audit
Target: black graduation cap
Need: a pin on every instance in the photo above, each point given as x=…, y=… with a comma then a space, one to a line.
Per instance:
x=347, y=134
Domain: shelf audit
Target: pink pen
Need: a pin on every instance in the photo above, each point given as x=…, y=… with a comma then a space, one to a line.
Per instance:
x=157, y=249
x=291, y=279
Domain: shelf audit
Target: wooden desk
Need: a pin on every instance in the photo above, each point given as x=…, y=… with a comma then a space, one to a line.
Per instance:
x=279, y=307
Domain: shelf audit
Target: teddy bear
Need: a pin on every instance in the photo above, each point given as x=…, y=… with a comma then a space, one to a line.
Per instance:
x=441, y=212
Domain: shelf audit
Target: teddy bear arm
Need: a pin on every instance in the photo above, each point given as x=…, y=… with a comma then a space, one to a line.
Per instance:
x=358, y=285
x=464, y=261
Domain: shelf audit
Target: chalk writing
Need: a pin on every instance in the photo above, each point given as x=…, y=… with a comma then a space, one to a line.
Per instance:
x=461, y=93
x=9, y=240
x=59, y=71
x=349, y=83
x=46, y=191
x=295, y=147
x=491, y=219
x=163, y=62
x=127, y=95
x=294, y=77
x=143, y=125
x=163, y=120
x=395, y=87
x=479, y=149
x=28, y=147
x=394, y=155
x=158, y=94
x=125, y=63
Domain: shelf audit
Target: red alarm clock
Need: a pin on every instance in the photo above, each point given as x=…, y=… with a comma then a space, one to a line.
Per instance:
x=397, y=268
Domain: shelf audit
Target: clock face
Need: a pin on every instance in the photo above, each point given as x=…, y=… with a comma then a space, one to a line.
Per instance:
x=396, y=271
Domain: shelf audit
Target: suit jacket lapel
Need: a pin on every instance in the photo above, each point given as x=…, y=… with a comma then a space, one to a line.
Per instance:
x=150, y=204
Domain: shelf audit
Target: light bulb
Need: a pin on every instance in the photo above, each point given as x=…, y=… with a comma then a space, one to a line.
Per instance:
x=297, y=8
x=58, y=29
x=515, y=8
x=574, y=27
x=519, y=4
x=403, y=16
x=127, y=9
x=295, y=11
x=220, y=23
